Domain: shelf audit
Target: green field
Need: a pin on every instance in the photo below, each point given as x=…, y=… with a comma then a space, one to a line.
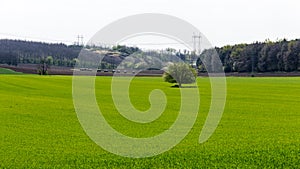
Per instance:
x=8, y=71
x=39, y=128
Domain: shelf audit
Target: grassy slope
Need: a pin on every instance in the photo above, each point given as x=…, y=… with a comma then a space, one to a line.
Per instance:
x=8, y=71
x=259, y=128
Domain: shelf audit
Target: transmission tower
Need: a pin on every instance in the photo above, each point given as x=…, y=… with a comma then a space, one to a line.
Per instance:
x=80, y=40
x=197, y=43
x=196, y=48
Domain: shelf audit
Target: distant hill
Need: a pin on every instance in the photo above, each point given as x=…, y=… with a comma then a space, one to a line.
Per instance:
x=14, y=52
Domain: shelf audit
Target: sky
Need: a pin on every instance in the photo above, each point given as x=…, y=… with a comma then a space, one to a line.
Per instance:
x=221, y=21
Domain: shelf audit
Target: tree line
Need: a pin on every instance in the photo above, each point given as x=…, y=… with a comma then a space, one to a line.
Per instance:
x=265, y=56
x=15, y=52
x=268, y=56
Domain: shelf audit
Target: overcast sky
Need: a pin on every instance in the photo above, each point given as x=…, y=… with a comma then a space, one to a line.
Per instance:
x=222, y=22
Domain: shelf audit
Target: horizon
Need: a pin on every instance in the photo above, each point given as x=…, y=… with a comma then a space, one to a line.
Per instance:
x=133, y=45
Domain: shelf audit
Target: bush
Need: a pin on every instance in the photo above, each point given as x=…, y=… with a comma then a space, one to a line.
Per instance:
x=180, y=73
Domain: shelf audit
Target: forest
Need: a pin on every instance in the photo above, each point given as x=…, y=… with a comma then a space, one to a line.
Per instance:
x=268, y=56
x=14, y=52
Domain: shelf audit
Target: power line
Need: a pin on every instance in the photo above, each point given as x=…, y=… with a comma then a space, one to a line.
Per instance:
x=152, y=44
x=36, y=38
x=140, y=44
x=80, y=41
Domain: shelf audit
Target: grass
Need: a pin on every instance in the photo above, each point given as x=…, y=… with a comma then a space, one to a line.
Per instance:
x=8, y=71
x=259, y=129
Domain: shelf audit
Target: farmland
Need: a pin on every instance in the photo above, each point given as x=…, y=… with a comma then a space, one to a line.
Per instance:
x=259, y=128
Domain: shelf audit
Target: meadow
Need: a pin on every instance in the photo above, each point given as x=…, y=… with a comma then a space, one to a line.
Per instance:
x=260, y=127
x=8, y=71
